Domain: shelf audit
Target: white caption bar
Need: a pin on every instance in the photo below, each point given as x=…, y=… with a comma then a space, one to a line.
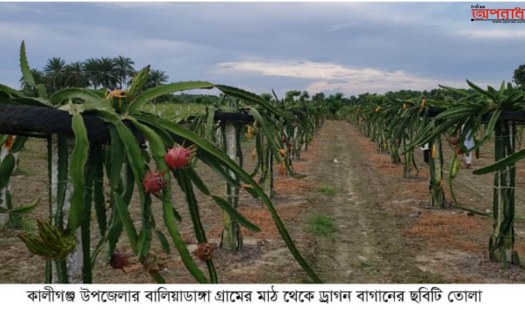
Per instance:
x=277, y=296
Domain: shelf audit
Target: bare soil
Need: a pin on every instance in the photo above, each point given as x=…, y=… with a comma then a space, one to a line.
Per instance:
x=385, y=231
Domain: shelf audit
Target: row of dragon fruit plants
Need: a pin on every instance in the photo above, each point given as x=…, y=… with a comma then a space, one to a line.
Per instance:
x=466, y=123
x=146, y=155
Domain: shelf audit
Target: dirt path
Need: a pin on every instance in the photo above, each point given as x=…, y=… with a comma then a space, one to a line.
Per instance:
x=365, y=248
x=352, y=250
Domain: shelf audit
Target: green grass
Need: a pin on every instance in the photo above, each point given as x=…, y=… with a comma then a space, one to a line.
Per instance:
x=322, y=225
x=518, y=218
x=172, y=111
x=327, y=190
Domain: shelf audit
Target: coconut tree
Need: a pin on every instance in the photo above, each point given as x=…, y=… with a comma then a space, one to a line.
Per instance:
x=124, y=68
x=75, y=75
x=91, y=67
x=304, y=96
x=156, y=78
x=107, y=73
x=55, y=71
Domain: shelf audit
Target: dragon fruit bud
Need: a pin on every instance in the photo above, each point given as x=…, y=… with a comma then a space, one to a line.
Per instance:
x=179, y=157
x=204, y=252
x=154, y=182
x=118, y=261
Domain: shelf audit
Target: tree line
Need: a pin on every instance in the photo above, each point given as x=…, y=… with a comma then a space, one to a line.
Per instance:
x=334, y=103
x=99, y=73
x=116, y=73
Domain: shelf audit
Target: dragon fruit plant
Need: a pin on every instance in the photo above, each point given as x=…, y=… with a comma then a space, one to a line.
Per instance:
x=9, y=214
x=80, y=165
x=271, y=121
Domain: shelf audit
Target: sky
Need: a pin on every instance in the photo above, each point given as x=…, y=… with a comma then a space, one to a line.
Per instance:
x=351, y=48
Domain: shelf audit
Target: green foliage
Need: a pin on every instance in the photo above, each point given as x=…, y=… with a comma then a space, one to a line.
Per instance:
x=234, y=214
x=98, y=73
x=505, y=162
x=327, y=190
x=519, y=76
x=26, y=72
x=322, y=225
x=173, y=111
x=77, y=168
x=153, y=93
x=22, y=209
x=6, y=168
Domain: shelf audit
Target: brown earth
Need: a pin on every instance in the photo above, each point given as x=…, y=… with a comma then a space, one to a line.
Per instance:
x=385, y=231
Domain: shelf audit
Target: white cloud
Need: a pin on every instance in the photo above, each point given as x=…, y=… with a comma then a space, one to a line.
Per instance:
x=335, y=77
x=491, y=34
x=138, y=5
x=16, y=8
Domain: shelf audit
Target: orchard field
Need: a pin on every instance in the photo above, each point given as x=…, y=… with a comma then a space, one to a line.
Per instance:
x=123, y=185
x=373, y=234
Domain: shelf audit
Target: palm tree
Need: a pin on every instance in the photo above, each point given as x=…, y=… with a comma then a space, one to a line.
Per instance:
x=156, y=78
x=76, y=75
x=107, y=73
x=319, y=98
x=124, y=67
x=304, y=96
x=39, y=78
x=55, y=71
x=290, y=95
x=91, y=66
